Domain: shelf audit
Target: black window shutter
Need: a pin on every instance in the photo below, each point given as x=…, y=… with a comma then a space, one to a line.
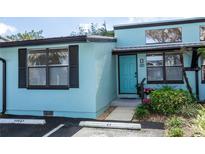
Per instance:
x=22, y=62
x=74, y=66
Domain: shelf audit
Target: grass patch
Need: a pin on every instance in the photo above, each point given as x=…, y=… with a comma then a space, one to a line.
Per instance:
x=175, y=132
x=141, y=112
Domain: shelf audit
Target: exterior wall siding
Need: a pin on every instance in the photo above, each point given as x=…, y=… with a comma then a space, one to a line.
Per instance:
x=105, y=75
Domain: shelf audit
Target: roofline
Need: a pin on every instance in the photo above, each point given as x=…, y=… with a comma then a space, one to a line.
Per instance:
x=142, y=49
x=160, y=23
x=5, y=39
x=58, y=40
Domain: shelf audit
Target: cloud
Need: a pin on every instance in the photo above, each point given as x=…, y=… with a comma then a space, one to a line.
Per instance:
x=6, y=29
x=149, y=19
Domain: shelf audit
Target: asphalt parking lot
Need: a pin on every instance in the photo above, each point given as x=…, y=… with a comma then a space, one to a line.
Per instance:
x=29, y=130
x=70, y=127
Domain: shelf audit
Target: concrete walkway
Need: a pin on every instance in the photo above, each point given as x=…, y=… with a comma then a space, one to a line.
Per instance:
x=125, y=109
x=103, y=132
x=122, y=114
x=126, y=102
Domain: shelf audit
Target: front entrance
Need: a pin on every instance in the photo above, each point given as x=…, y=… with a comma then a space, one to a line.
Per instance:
x=127, y=74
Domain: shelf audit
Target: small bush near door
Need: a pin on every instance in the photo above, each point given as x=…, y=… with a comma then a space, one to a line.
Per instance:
x=175, y=132
x=174, y=122
x=168, y=101
x=141, y=112
x=174, y=127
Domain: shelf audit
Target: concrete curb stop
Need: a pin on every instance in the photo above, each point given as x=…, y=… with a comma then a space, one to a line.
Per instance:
x=116, y=125
x=22, y=121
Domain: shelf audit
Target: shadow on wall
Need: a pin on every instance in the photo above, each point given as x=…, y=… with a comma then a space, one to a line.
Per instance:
x=106, y=80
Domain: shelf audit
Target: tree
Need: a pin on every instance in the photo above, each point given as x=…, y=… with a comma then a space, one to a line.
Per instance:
x=26, y=35
x=94, y=29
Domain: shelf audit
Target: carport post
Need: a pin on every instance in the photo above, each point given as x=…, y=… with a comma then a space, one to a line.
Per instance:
x=4, y=85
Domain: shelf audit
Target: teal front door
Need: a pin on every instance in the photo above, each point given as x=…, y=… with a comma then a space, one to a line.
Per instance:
x=127, y=74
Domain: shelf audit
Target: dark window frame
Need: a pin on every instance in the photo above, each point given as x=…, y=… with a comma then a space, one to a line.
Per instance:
x=47, y=66
x=165, y=81
x=163, y=40
x=202, y=79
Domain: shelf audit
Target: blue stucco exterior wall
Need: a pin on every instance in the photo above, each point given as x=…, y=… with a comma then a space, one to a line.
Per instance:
x=105, y=75
x=136, y=37
x=75, y=102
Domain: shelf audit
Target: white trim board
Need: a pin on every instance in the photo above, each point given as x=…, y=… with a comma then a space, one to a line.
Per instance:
x=22, y=121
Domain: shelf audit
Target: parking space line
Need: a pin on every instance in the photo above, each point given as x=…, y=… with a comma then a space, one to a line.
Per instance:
x=54, y=130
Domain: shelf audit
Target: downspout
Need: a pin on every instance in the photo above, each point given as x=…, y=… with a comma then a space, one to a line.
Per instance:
x=4, y=85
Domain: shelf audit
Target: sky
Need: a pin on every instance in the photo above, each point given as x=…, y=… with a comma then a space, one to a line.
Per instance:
x=63, y=26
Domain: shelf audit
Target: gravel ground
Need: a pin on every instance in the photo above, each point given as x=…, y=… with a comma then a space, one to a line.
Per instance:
x=104, y=132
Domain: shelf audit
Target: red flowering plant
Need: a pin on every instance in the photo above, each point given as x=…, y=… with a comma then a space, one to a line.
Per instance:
x=146, y=101
x=147, y=91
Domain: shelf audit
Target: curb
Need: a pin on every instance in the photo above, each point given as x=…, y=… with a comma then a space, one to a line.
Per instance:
x=116, y=125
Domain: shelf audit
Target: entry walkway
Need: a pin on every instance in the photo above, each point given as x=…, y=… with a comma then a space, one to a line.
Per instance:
x=125, y=109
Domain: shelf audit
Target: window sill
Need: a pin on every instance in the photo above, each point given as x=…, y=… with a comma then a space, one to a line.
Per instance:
x=165, y=82
x=48, y=87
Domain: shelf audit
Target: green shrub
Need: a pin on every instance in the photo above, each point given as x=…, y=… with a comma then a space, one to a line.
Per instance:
x=169, y=101
x=141, y=112
x=174, y=122
x=189, y=110
x=175, y=132
x=200, y=121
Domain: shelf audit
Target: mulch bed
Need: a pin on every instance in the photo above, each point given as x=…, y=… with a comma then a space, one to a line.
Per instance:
x=152, y=118
x=105, y=114
x=152, y=125
x=154, y=121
